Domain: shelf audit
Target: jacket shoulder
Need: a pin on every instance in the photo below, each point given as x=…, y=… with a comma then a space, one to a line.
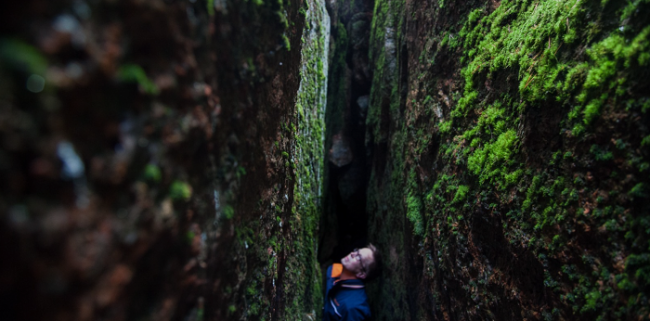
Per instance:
x=335, y=270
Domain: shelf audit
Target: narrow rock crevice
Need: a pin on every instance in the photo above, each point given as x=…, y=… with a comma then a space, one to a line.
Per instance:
x=344, y=225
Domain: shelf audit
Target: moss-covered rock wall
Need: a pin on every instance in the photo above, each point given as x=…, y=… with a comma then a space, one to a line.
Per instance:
x=161, y=159
x=170, y=159
x=510, y=159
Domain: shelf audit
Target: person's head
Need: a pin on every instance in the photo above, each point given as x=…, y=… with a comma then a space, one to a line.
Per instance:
x=363, y=263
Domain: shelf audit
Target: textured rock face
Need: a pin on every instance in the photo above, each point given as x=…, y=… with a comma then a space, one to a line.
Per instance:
x=510, y=159
x=161, y=159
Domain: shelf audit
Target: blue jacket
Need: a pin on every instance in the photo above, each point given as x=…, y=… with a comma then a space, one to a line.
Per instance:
x=345, y=300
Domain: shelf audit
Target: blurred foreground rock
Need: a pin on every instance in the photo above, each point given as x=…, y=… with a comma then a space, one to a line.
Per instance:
x=148, y=159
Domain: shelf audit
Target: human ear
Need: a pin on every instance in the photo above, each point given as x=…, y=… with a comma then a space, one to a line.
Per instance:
x=361, y=275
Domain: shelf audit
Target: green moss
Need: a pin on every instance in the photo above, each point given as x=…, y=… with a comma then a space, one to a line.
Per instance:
x=413, y=213
x=645, y=141
x=461, y=194
x=541, y=28
x=210, y=7
x=286, y=42
x=488, y=162
x=135, y=73
x=240, y=172
x=601, y=154
x=638, y=191
x=152, y=173
x=180, y=191
x=228, y=212
x=445, y=126
x=530, y=194
x=17, y=54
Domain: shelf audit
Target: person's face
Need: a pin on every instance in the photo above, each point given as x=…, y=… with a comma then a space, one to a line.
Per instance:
x=358, y=261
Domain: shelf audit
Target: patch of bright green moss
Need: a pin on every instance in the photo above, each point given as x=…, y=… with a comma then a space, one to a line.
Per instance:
x=135, y=73
x=180, y=191
x=461, y=193
x=487, y=161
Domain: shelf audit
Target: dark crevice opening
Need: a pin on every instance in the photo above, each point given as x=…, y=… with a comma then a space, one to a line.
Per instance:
x=345, y=221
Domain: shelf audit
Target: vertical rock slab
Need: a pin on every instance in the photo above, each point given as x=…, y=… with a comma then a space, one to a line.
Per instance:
x=304, y=292
x=386, y=141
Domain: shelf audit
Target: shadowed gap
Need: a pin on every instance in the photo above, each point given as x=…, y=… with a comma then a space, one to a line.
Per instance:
x=344, y=225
